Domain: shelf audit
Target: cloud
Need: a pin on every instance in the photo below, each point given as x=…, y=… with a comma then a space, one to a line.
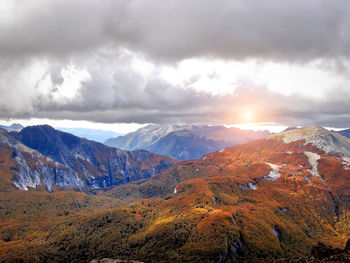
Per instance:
x=117, y=90
x=101, y=44
x=288, y=31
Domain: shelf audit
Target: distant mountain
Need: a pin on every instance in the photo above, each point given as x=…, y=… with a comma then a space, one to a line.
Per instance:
x=184, y=141
x=290, y=129
x=13, y=127
x=345, y=133
x=91, y=134
x=49, y=157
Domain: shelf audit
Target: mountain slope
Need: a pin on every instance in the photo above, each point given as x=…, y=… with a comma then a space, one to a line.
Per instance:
x=87, y=164
x=25, y=167
x=282, y=194
x=184, y=141
x=254, y=202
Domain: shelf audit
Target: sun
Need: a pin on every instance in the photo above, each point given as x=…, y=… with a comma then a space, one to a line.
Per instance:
x=248, y=116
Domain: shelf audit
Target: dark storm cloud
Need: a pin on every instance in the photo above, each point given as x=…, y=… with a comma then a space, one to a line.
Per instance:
x=283, y=30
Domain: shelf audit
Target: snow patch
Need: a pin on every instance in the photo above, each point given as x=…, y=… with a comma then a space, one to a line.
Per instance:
x=248, y=186
x=346, y=163
x=175, y=190
x=222, y=150
x=313, y=161
x=274, y=174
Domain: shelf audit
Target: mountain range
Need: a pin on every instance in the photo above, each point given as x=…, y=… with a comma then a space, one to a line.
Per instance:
x=184, y=141
x=45, y=156
x=271, y=198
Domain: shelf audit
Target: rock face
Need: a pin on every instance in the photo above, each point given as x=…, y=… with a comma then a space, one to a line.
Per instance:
x=184, y=141
x=34, y=169
x=50, y=157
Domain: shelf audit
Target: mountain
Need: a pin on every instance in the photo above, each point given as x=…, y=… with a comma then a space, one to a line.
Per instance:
x=290, y=129
x=270, y=198
x=267, y=199
x=13, y=127
x=184, y=141
x=345, y=133
x=45, y=156
x=91, y=134
x=29, y=168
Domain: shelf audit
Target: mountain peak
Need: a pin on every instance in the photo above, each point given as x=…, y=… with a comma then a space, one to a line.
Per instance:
x=328, y=141
x=14, y=127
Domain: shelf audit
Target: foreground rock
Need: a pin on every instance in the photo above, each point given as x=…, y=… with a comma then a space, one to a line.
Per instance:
x=108, y=260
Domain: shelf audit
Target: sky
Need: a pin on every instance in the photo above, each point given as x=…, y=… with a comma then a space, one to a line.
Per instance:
x=119, y=65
